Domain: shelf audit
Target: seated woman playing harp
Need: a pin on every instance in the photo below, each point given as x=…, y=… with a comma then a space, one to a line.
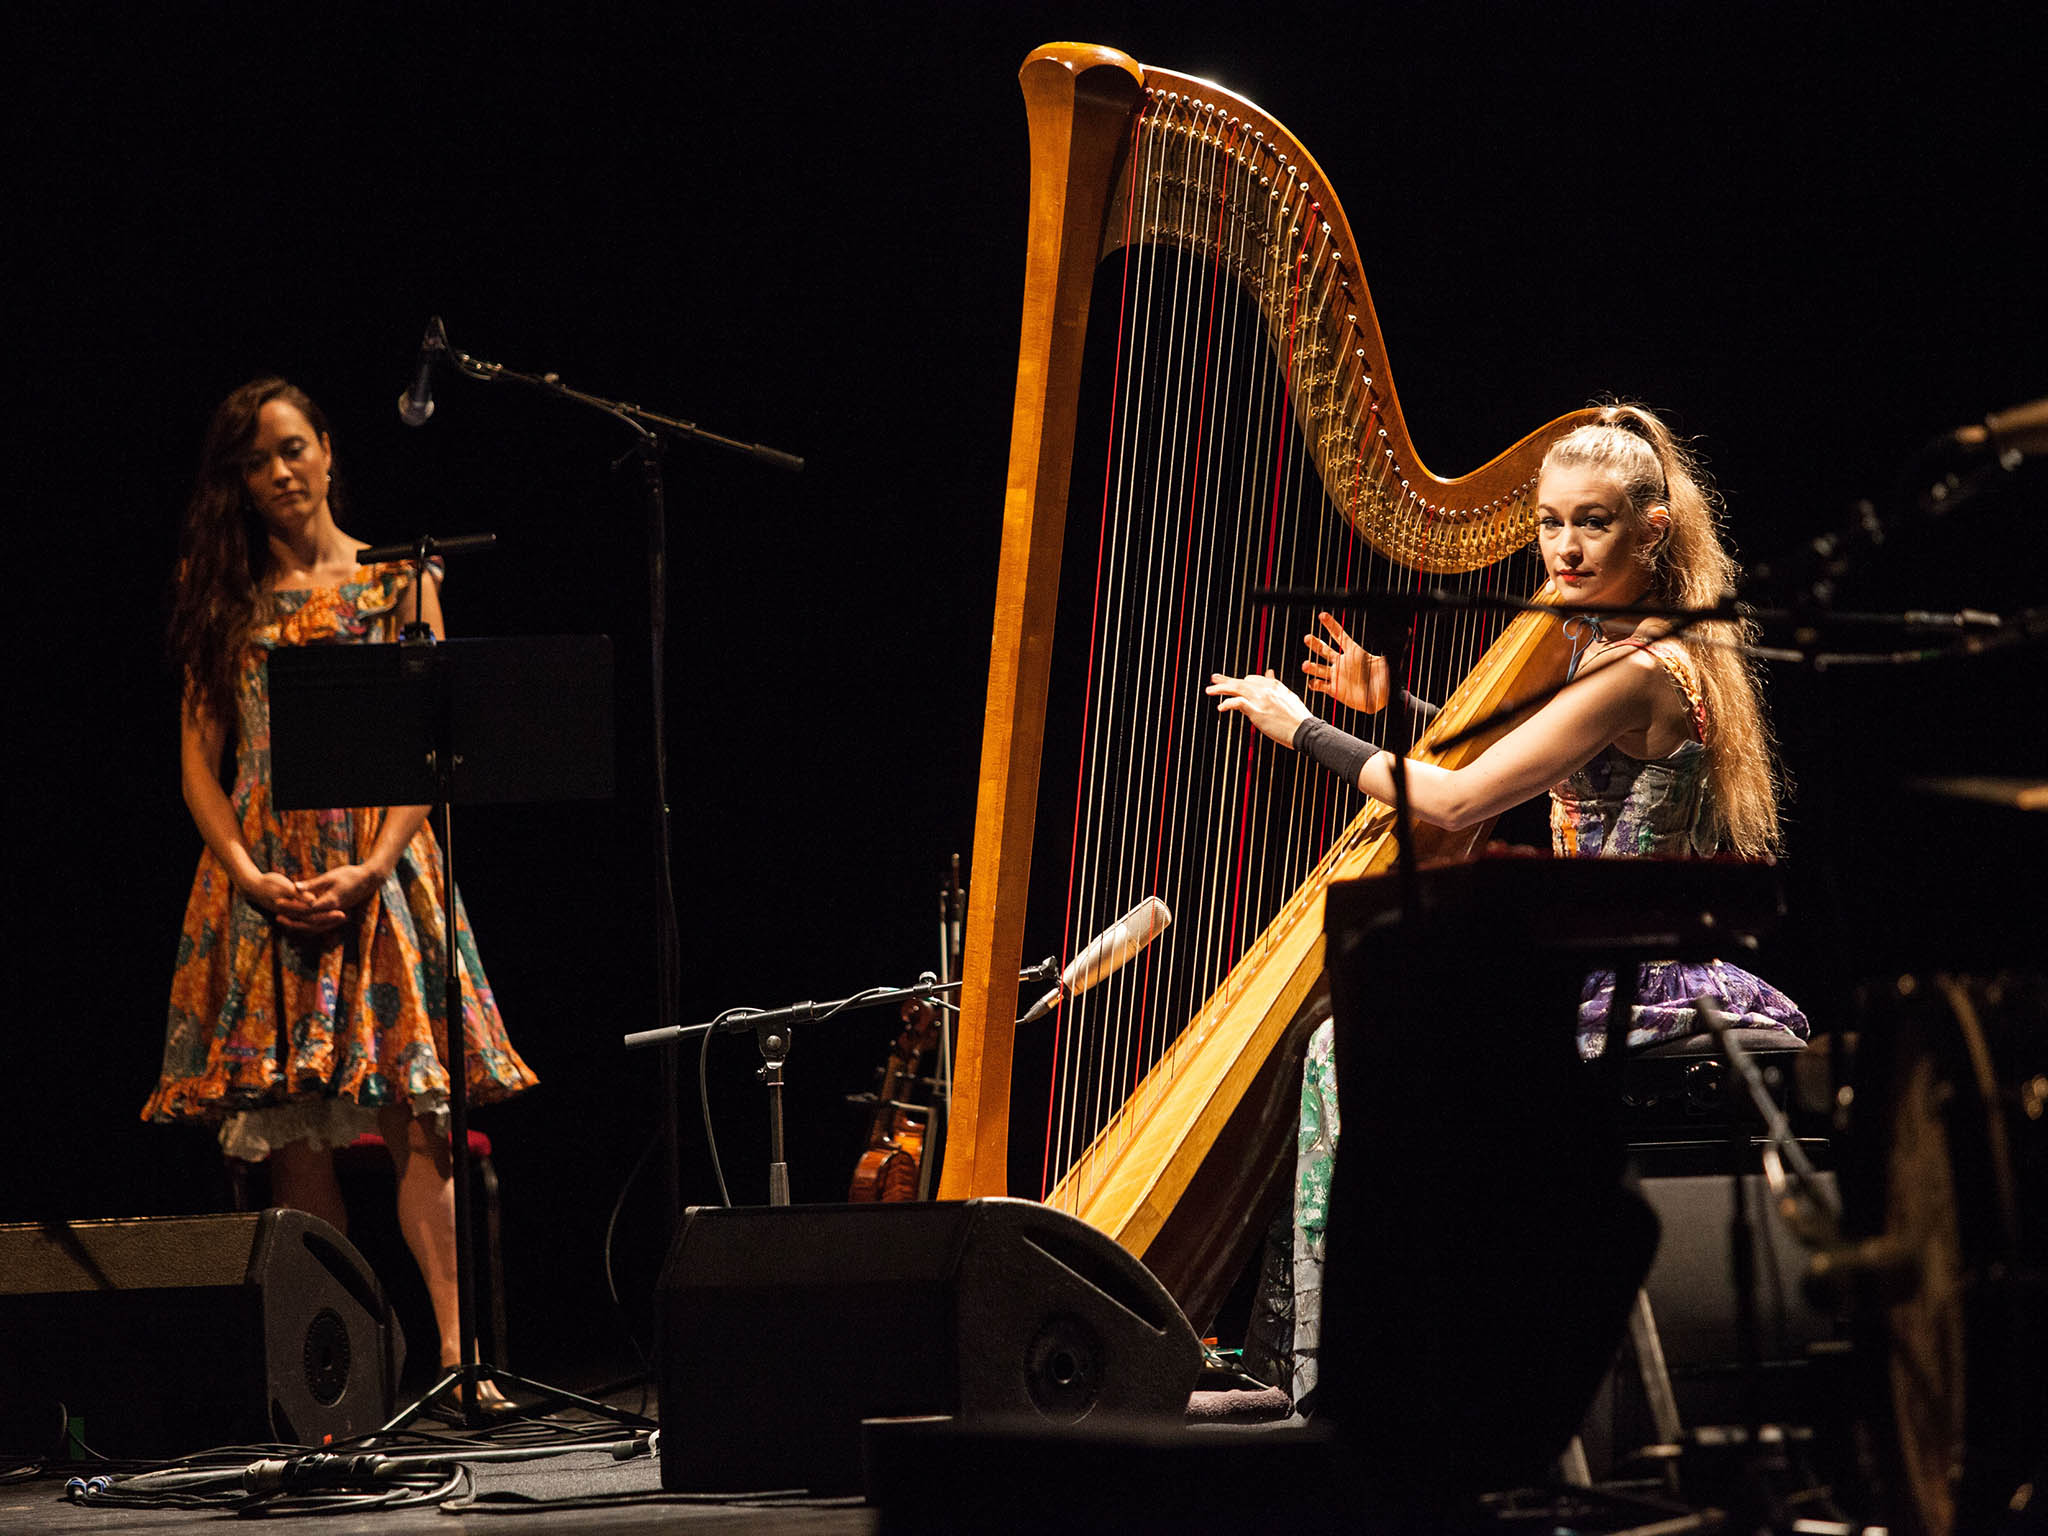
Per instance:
x=1659, y=747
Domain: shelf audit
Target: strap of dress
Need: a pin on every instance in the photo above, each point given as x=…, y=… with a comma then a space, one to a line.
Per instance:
x=1679, y=665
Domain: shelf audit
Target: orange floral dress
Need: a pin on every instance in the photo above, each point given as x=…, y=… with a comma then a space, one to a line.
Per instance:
x=288, y=1038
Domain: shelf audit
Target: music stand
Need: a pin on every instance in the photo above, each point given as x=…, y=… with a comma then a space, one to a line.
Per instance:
x=1456, y=1245
x=458, y=724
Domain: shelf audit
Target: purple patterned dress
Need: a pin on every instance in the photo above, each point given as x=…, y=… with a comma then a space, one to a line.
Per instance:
x=1622, y=807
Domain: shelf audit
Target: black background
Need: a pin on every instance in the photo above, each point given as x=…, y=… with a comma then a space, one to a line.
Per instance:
x=1807, y=234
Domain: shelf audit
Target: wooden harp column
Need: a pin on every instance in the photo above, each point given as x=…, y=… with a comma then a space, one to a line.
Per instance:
x=1093, y=114
x=1080, y=103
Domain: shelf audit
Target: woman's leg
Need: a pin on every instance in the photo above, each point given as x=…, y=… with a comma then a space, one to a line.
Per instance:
x=302, y=1177
x=1315, y=1160
x=426, y=1214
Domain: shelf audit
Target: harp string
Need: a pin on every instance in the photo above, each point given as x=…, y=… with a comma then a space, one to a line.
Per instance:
x=1162, y=697
x=1131, y=357
x=1200, y=282
x=1242, y=397
x=1193, y=298
x=1083, y=1088
x=1164, y=288
x=1059, y=1092
x=1300, y=822
x=1197, y=289
x=1227, y=420
x=1073, y=1078
x=1177, y=763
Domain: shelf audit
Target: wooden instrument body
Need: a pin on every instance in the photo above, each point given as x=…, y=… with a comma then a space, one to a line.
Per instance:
x=891, y=1167
x=1085, y=105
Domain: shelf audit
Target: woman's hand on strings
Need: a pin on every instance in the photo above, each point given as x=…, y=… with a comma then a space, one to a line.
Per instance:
x=1264, y=700
x=1347, y=671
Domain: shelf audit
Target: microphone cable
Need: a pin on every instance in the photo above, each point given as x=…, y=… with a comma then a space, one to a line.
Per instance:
x=295, y=1480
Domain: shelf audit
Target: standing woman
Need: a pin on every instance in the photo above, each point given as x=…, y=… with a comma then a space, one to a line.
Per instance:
x=307, y=1006
x=1658, y=749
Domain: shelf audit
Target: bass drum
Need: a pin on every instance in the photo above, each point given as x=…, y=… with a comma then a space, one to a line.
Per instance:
x=1944, y=1173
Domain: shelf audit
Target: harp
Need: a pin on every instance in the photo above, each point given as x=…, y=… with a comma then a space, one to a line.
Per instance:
x=1252, y=438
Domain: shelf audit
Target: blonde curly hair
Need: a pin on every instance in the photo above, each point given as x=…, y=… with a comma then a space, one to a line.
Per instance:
x=1690, y=567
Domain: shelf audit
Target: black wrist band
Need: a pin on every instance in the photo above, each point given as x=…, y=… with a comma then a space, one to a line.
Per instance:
x=1339, y=751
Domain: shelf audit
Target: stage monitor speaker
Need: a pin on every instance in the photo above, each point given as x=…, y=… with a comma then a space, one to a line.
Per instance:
x=783, y=1327
x=161, y=1336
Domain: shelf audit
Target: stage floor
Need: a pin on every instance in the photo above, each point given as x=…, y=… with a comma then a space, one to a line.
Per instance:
x=577, y=1491
x=1098, y=1482
x=1197, y=1480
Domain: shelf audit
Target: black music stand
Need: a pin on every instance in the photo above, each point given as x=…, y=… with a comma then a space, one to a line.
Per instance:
x=1481, y=1171
x=492, y=721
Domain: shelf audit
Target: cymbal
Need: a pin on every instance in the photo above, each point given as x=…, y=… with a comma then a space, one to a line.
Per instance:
x=2021, y=794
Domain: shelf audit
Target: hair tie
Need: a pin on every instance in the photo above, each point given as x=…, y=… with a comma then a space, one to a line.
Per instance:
x=1626, y=420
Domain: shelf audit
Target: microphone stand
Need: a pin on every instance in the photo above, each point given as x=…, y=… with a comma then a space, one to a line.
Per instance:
x=423, y=659
x=1976, y=631
x=419, y=636
x=771, y=1028
x=1395, y=626
x=952, y=921
x=652, y=433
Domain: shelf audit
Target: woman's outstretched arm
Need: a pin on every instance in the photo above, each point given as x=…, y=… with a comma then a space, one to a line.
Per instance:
x=1616, y=694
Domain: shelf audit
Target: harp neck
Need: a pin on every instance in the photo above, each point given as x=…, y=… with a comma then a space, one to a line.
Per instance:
x=1212, y=173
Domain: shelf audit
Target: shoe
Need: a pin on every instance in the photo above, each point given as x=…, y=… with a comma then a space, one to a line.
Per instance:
x=491, y=1405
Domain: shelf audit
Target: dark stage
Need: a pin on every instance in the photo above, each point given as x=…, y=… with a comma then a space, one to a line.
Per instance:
x=1801, y=232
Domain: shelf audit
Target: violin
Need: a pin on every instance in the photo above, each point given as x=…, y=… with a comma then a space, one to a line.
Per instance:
x=889, y=1168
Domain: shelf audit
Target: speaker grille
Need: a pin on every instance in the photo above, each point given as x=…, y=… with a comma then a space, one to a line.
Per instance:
x=1063, y=1369
x=327, y=1357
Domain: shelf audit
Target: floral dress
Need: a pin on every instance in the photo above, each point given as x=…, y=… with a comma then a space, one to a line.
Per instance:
x=1616, y=806
x=284, y=1038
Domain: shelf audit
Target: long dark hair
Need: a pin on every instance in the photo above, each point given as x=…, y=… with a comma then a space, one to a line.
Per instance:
x=223, y=551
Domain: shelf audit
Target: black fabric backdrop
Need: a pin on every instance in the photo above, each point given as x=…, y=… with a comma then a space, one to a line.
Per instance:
x=1802, y=232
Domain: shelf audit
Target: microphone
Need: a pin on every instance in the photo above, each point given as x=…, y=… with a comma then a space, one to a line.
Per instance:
x=417, y=403
x=2018, y=433
x=1108, y=952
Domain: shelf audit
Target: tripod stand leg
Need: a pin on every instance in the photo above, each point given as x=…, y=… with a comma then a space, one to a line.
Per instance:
x=560, y=1397
x=1572, y=1465
x=1648, y=1349
x=456, y=1383
x=461, y=1382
